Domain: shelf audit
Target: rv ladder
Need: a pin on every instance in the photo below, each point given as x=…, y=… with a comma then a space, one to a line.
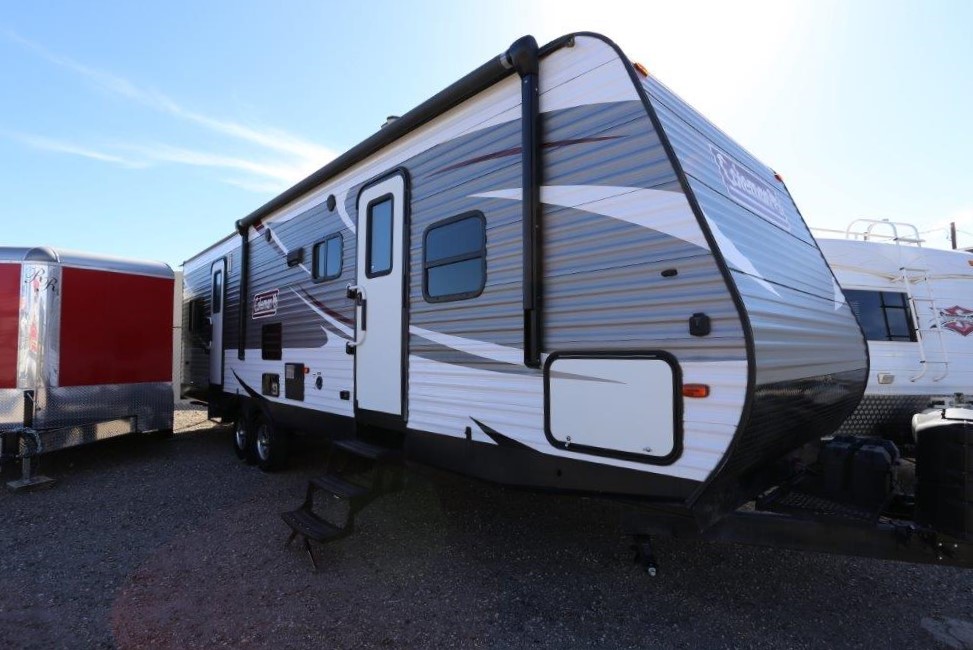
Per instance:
x=304, y=521
x=912, y=279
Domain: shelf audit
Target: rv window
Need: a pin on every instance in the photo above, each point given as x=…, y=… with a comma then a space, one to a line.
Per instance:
x=271, y=342
x=379, y=246
x=218, y=292
x=454, y=258
x=884, y=315
x=327, y=258
x=197, y=316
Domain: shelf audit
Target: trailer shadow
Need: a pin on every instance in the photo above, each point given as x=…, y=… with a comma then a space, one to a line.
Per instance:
x=177, y=543
x=451, y=561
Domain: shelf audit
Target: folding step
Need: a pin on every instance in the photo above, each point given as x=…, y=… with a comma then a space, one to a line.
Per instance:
x=367, y=450
x=308, y=525
x=304, y=522
x=339, y=486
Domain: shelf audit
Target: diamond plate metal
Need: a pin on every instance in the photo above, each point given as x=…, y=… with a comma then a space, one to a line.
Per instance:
x=11, y=408
x=887, y=416
x=150, y=404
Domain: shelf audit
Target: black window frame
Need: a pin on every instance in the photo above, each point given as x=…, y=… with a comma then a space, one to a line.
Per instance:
x=905, y=307
x=368, y=238
x=481, y=254
x=323, y=243
x=216, y=297
x=198, y=326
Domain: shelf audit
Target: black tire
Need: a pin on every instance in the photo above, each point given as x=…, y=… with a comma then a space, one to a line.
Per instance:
x=271, y=445
x=245, y=438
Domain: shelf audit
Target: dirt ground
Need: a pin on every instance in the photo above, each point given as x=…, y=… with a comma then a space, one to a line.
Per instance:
x=147, y=543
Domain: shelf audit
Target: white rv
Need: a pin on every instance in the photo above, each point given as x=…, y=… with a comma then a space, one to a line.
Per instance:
x=552, y=274
x=915, y=305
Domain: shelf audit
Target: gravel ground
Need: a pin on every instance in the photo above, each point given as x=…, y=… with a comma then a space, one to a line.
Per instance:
x=176, y=543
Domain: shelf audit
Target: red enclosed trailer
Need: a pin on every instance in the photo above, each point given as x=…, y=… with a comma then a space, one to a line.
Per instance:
x=85, y=348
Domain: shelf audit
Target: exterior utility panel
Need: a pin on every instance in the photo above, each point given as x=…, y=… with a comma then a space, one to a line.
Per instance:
x=523, y=274
x=85, y=345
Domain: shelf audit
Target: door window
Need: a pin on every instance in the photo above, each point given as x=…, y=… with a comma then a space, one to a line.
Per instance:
x=379, y=245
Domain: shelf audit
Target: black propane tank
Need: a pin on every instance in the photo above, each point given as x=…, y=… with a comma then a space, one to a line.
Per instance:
x=859, y=470
x=944, y=471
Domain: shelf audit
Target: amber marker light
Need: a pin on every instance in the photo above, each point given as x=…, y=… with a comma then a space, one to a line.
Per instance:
x=695, y=390
x=642, y=69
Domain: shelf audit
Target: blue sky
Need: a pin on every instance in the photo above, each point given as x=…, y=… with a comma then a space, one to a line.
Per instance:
x=146, y=130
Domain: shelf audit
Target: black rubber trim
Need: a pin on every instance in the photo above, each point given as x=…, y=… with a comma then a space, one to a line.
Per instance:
x=677, y=405
x=244, y=299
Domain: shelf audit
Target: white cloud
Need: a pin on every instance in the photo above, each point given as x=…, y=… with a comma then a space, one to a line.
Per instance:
x=195, y=158
x=61, y=146
x=257, y=186
x=305, y=156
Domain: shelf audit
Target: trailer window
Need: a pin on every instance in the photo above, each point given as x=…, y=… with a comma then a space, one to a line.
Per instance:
x=884, y=315
x=327, y=257
x=197, y=316
x=379, y=244
x=454, y=258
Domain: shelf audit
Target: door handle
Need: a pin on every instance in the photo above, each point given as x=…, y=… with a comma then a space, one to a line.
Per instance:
x=357, y=293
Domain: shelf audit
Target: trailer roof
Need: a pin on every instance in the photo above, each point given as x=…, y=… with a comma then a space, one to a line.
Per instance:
x=66, y=257
x=487, y=74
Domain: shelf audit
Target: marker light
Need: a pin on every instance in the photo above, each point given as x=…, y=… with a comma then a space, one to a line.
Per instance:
x=778, y=177
x=695, y=390
x=641, y=69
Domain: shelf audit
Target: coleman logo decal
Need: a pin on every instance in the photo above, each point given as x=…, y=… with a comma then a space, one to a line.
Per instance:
x=956, y=318
x=750, y=190
x=265, y=304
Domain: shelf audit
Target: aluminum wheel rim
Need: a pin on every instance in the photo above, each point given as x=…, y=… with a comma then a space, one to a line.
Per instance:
x=263, y=441
x=241, y=435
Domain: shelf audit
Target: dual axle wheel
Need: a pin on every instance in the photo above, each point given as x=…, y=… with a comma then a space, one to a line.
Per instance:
x=258, y=441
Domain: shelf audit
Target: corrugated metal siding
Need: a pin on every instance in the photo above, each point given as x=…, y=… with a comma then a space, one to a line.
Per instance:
x=809, y=356
x=785, y=284
x=694, y=138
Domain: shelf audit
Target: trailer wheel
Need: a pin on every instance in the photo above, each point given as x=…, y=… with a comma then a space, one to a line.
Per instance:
x=272, y=445
x=244, y=438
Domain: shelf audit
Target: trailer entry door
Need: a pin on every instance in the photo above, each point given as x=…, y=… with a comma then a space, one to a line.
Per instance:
x=217, y=293
x=379, y=358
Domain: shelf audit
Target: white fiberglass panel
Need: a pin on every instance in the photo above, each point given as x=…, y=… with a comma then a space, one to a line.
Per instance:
x=618, y=404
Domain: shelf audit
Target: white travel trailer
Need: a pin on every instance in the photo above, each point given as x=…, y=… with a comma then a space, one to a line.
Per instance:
x=915, y=305
x=553, y=274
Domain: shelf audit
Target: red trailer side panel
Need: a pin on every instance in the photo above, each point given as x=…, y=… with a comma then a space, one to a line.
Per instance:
x=116, y=328
x=9, y=314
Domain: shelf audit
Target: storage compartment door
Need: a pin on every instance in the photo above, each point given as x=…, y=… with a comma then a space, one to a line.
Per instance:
x=626, y=406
